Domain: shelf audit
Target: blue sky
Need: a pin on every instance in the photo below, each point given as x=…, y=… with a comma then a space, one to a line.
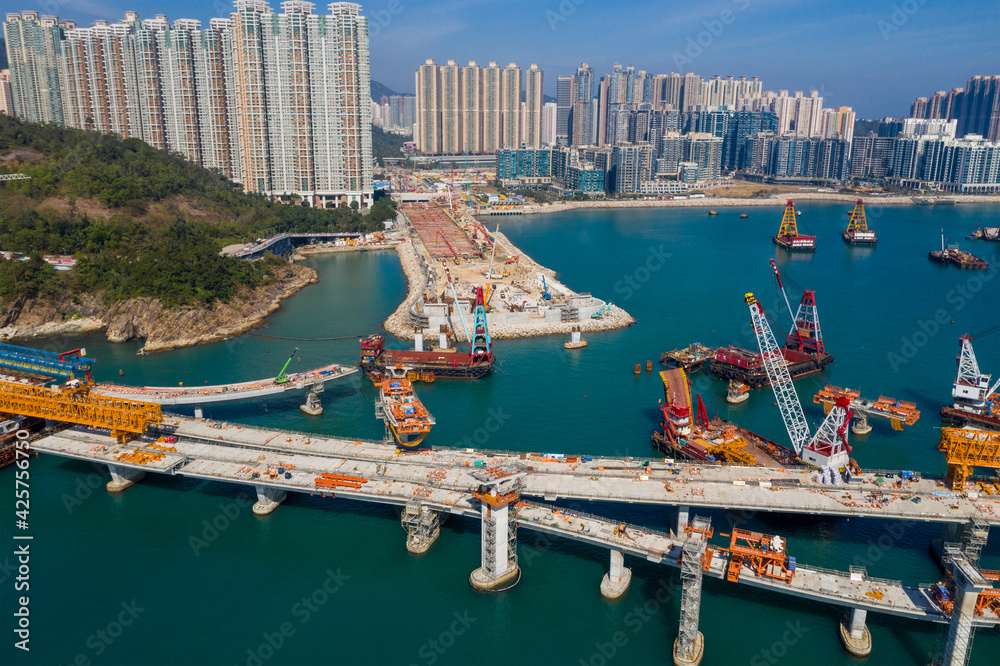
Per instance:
x=874, y=56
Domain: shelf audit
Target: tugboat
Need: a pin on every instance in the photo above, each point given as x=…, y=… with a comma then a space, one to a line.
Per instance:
x=402, y=412
x=738, y=392
x=788, y=233
x=950, y=254
x=712, y=212
x=857, y=232
x=985, y=233
x=744, y=216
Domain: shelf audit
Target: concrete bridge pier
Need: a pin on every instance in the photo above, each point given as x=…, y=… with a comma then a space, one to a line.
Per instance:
x=423, y=527
x=268, y=499
x=497, y=495
x=123, y=477
x=689, y=646
x=199, y=411
x=682, y=520
x=854, y=634
x=615, y=583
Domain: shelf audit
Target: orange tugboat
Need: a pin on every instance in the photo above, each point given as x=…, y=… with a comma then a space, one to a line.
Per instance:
x=788, y=234
x=857, y=232
x=402, y=412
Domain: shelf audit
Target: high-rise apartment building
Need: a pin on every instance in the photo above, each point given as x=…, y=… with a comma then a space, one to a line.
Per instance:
x=534, y=80
x=581, y=119
x=476, y=109
x=550, y=116
x=510, y=106
x=305, y=133
x=279, y=102
x=564, y=106
x=6, y=94
x=34, y=52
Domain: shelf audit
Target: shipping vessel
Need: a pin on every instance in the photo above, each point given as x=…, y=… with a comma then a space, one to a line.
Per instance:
x=404, y=415
x=377, y=361
x=788, y=233
x=857, y=232
x=950, y=254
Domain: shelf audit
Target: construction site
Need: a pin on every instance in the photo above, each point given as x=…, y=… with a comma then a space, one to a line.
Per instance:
x=456, y=255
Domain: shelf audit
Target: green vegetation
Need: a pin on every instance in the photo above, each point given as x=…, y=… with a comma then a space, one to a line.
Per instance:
x=141, y=222
x=863, y=127
x=386, y=144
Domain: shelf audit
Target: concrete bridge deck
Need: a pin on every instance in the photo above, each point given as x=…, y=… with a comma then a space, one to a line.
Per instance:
x=790, y=490
x=399, y=483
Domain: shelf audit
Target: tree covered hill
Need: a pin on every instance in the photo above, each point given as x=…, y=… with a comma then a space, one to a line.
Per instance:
x=140, y=221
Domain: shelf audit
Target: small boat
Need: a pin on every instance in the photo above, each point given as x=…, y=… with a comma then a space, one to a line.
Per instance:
x=744, y=215
x=737, y=392
x=712, y=212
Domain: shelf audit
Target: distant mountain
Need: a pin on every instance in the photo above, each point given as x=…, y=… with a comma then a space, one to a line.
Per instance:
x=379, y=89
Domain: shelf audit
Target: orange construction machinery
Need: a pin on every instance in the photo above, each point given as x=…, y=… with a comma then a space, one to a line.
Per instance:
x=967, y=449
x=897, y=412
x=857, y=232
x=764, y=554
x=73, y=403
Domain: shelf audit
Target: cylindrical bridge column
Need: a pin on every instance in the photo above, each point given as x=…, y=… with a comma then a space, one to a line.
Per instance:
x=854, y=634
x=499, y=570
x=123, y=477
x=615, y=583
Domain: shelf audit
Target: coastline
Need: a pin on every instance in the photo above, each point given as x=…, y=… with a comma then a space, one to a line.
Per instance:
x=162, y=328
x=733, y=202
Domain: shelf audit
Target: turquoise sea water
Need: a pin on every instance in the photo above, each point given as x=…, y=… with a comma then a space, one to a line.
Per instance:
x=329, y=581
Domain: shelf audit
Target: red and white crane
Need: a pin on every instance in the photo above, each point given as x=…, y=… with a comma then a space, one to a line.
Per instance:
x=972, y=388
x=828, y=447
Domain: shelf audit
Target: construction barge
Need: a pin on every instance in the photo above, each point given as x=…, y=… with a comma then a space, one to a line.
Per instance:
x=691, y=435
x=789, y=237
x=950, y=254
x=803, y=350
x=691, y=358
x=857, y=232
x=985, y=233
x=428, y=365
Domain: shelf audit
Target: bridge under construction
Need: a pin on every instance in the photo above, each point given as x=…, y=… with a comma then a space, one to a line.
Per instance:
x=495, y=486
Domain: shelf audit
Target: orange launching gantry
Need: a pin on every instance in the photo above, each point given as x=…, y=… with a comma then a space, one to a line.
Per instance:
x=73, y=403
x=966, y=449
x=763, y=553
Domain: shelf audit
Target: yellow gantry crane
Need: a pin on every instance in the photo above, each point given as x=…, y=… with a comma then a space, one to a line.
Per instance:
x=965, y=449
x=73, y=403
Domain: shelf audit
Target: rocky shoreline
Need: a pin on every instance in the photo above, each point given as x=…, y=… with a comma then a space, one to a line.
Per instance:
x=148, y=319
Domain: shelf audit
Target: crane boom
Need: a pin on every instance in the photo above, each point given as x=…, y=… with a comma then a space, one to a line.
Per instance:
x=781, y=381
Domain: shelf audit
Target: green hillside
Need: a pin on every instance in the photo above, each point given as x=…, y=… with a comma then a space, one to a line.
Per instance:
x=140, y=221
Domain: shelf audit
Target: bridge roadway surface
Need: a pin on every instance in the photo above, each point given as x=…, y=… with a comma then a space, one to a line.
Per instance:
x=244, y=250
x=203, y=395
x=397, y=482
x=621, y=480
